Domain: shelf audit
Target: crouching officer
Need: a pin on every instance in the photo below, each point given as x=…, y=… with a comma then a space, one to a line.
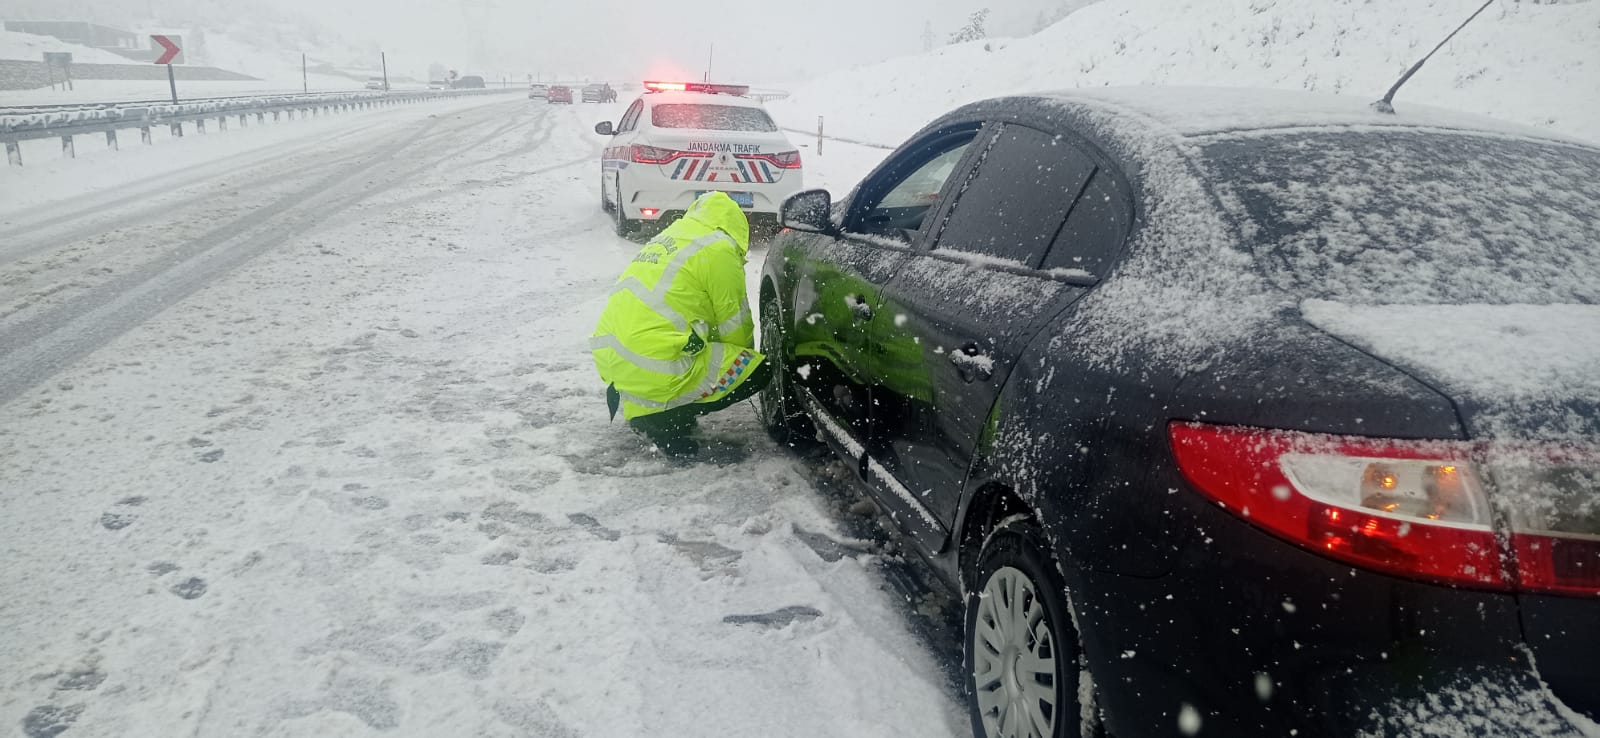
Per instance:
x=677, y=339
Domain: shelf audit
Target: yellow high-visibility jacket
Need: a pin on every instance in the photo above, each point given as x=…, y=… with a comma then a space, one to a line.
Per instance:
x=677, y=328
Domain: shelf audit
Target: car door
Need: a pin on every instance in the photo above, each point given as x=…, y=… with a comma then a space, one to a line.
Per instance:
x=618, y=154
x=834, y=280
x=970, y=304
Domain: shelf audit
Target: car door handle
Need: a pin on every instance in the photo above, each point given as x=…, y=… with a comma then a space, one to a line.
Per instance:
x=859, y=308
x=972, y=363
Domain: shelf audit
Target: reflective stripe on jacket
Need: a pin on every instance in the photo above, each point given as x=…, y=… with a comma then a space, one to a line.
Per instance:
x=677, y=328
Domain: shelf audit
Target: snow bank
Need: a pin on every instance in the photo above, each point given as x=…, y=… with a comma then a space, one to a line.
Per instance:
x=1531, y=64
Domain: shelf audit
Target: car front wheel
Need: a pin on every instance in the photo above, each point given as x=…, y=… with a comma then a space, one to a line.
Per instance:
x=779, y=409
x=1024, y=665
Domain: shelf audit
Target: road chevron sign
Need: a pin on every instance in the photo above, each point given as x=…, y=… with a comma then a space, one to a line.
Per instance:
x=170, y=53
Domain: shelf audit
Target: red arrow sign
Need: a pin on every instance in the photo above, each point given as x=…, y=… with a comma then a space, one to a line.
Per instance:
x=172, y=50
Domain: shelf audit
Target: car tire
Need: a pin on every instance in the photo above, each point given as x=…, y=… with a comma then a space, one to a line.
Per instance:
x=1018, y=578
x=606, y=204
x=780, y=410
x=619, y=217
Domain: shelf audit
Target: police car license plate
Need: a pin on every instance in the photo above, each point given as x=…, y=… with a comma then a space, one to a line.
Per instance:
x=742, y=199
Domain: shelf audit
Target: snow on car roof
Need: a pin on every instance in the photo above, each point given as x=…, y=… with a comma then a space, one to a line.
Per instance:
x=1201, y=111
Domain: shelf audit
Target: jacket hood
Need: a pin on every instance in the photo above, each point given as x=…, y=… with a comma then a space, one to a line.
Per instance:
x=717, y=210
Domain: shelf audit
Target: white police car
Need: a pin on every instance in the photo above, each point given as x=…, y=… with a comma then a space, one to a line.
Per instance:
x=682, y=139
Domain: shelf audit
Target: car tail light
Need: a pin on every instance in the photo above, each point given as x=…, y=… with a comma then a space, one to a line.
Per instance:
x=1554, y=503
x=1419, y=509
x=784, y=160
x=653, y=155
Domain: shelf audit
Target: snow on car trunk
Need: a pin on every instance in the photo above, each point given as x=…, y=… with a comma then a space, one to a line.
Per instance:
x=1523, y=372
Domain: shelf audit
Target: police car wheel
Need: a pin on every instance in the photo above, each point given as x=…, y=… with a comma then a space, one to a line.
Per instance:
x=606, y=203
x=619, y=217
x=780, y=410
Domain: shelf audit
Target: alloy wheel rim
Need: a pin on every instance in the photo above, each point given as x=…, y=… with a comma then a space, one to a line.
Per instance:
x=1015, y=675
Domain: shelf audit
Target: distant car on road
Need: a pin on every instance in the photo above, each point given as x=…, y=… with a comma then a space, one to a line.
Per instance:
x=558, y=94
x=469, y=82
x=438, y=84
x=1229, y=412
x=599, y=93
x=376, y=83
x=538, y=91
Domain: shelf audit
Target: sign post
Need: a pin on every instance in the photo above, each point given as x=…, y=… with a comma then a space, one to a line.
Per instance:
x=171, y=52
x=53, y=59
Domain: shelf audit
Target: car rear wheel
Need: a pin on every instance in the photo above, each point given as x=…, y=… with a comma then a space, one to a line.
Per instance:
x=606, y=204
x=619, y=216
x=1022, y=655
x=779, y=409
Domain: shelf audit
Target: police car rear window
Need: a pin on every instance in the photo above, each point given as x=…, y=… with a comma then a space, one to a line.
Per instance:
x=712, y=118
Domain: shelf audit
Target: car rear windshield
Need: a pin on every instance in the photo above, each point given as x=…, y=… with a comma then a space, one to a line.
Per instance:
x=711, y=118
x=1412, y=217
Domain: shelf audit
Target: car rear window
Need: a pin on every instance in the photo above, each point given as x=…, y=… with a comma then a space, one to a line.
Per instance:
x=1411, y=217
x=711, y=117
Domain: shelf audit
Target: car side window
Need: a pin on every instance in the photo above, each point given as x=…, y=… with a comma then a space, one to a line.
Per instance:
x=1095, y=229
x=631, y=118
x=899, y=205
x=1018, y=197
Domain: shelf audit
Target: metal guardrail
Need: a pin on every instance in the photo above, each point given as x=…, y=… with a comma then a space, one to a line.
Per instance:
x=65, y=122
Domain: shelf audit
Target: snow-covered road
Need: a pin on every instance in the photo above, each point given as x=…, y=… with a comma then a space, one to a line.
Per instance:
x=310, y=444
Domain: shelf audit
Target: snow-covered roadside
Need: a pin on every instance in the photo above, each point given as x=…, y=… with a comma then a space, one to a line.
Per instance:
x=47, y=176
x=118, y=90
x=364, y=485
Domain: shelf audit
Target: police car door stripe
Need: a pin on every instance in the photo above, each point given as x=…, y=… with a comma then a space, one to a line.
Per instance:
x=692, y=166
x=770, y=176
x=679, y=171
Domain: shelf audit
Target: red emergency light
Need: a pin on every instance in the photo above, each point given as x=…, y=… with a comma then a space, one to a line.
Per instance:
x=697, y=87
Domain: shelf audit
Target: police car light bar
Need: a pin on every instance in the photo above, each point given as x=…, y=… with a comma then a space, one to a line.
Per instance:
x=697, y=87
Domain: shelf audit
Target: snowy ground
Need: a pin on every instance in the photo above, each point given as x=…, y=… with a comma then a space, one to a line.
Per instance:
x=301, y=437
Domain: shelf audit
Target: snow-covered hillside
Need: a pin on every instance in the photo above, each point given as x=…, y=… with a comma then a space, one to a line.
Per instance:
x=31, y=47
x=1529, y=63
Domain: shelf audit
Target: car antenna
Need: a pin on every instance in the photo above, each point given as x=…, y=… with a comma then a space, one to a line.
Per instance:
x=1386, y=105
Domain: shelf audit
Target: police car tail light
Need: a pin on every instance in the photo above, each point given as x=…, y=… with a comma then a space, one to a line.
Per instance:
x=785, y=160
x=697, y=87
x=656, y=155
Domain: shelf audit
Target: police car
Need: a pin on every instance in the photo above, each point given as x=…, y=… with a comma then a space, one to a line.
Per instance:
x=682, y=139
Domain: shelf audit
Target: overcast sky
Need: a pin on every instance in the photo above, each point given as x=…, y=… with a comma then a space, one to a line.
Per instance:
x=755, y=40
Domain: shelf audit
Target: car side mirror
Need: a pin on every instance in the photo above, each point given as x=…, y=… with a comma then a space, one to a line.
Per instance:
x=810, y=211
x=604, y=128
